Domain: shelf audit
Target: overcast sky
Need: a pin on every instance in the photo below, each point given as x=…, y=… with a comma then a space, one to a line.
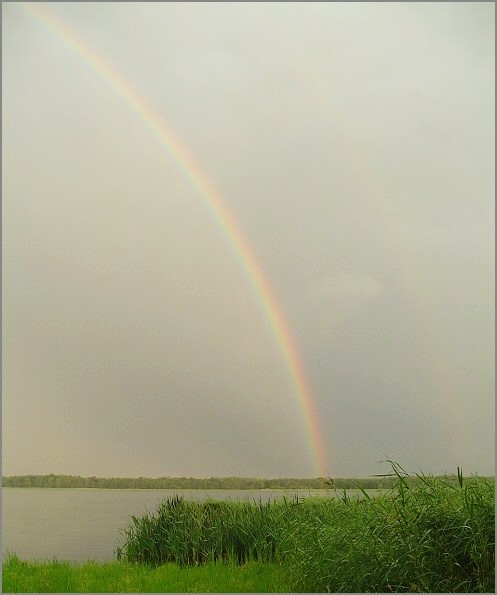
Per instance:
x=354, y=145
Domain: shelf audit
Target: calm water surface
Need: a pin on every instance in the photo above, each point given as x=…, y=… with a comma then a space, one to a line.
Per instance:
x=84, y=524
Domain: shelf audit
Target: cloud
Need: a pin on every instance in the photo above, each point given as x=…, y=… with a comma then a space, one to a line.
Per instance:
x=325, y=302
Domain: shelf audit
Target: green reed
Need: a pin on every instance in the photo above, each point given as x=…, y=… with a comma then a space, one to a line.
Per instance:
x=425, y=535
x=194, y=532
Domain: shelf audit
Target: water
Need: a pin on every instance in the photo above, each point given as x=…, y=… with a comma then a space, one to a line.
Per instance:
x=84, y=524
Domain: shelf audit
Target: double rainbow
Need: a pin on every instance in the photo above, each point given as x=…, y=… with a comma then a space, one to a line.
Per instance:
x=229, y=226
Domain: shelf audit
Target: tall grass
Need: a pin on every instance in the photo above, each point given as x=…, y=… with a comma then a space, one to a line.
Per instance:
x=425, y=535
x=192, y=532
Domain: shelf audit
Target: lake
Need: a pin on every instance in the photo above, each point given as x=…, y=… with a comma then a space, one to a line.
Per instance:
x=84, y=524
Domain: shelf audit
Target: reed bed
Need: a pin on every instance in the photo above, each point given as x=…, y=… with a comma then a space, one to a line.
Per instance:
x=425, y=535
x=191, y=532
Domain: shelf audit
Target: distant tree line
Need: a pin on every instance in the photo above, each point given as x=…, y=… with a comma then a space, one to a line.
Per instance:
x=211, y=483
x=192, y=483
x=179, y=483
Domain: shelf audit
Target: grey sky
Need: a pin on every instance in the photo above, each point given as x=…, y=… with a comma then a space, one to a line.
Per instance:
x=353, y=143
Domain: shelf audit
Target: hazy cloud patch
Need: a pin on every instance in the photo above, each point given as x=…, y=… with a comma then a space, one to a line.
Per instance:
x=353, y=289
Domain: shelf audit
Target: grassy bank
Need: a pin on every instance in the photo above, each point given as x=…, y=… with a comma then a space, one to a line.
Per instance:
x=425, y=535
x=121, y=577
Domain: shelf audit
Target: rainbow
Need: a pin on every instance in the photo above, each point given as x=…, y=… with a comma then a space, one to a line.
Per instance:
x=229, y=226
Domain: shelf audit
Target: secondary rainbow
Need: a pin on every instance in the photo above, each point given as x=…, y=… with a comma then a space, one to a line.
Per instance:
x=165, y=136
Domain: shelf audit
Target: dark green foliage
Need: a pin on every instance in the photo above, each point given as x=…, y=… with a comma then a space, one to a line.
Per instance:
x=190, y=483
x=170, y=483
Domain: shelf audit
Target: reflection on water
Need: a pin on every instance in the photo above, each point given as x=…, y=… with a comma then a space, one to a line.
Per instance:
x=84, y=524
